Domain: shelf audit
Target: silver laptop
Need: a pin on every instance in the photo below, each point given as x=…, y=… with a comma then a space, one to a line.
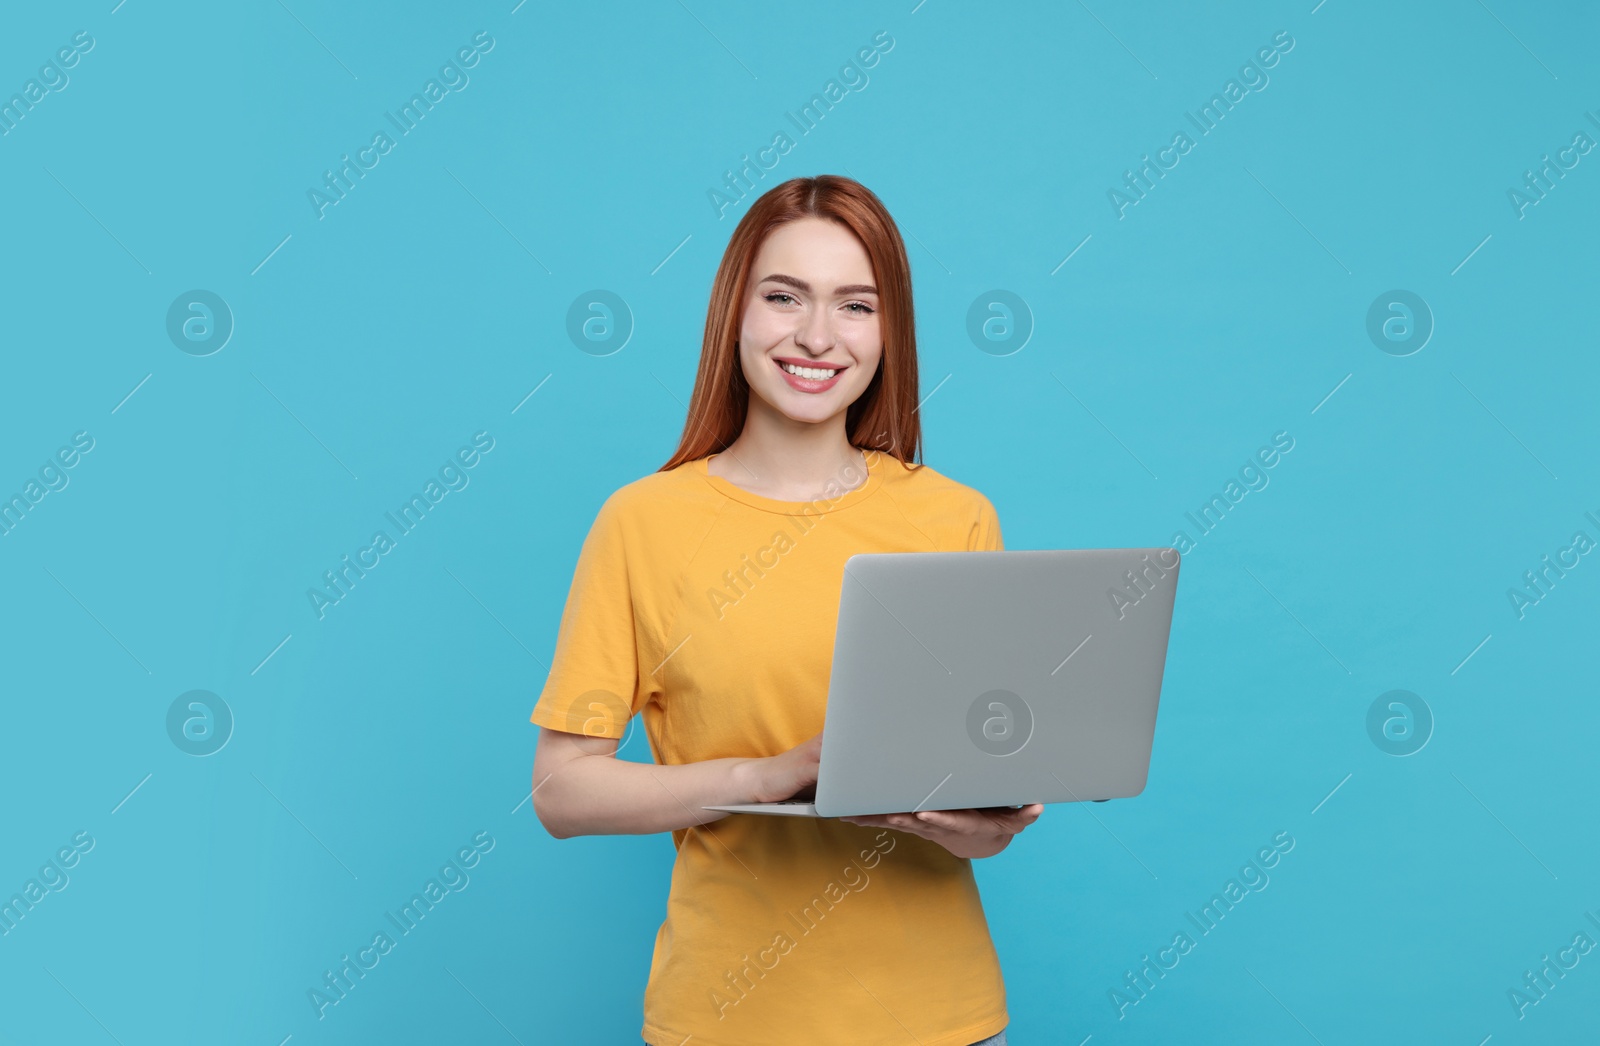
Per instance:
x=986, y=679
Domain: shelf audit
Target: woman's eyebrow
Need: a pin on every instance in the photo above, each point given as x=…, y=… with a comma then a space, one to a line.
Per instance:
x=802, y=285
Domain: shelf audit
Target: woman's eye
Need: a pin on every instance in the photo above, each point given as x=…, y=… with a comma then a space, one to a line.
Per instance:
x=860, y=308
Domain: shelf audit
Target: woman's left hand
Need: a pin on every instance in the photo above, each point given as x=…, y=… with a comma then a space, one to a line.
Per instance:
x=965, y=833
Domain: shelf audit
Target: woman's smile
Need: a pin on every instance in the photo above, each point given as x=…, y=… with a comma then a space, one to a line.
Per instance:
x=810, y=377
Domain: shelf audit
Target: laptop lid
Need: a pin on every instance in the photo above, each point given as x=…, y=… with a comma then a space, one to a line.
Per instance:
x=971, y=679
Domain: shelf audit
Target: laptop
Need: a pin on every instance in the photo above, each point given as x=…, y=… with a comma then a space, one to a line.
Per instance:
x=989, y=679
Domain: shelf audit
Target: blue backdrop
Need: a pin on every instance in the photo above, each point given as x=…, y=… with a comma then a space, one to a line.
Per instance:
x=273, y=270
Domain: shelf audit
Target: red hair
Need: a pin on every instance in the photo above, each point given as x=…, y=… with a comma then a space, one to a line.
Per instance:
x=884, y=416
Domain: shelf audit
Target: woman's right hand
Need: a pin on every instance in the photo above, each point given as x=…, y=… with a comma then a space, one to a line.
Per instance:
x=793, y=774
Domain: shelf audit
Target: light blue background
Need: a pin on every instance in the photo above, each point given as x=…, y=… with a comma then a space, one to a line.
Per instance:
x=370, y=745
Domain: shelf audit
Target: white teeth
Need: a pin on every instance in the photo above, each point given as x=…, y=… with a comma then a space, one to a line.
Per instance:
x=812, y=373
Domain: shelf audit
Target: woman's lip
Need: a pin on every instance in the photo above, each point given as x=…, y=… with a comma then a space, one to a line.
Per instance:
x=808, y=385
x=815, y=364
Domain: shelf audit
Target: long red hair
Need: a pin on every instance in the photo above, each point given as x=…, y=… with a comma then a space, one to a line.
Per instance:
x=884, y=417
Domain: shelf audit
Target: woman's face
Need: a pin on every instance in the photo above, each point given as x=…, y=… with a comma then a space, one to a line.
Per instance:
x=812, y=306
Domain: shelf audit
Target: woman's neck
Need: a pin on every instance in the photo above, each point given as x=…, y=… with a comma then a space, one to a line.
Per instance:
x=790, y=461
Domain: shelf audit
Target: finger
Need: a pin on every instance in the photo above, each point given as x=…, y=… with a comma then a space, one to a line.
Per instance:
x=882, y=820
x=1002, y=821
x=1015, y=822
x=914, y=825
x=970, y=823
x=949, y=820
x=1014, y=819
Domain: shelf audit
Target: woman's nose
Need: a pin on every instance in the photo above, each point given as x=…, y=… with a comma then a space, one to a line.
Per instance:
x=816, y=333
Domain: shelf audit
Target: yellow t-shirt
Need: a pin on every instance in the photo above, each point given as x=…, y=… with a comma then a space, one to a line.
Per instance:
x=712, y=610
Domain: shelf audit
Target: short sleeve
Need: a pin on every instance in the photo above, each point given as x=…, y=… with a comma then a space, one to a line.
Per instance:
x=985, y=533
x=593, y=685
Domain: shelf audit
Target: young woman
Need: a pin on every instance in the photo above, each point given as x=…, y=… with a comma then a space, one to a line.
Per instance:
x=706, y=598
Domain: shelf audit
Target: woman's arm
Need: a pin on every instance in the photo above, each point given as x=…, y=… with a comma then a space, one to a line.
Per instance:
x=580, y=787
